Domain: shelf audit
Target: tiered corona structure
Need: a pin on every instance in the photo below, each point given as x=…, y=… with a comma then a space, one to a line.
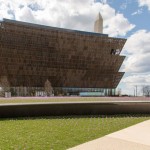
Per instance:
x=73, y=61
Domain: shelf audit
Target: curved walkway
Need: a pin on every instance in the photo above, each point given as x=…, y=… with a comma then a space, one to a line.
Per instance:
x=136, y=137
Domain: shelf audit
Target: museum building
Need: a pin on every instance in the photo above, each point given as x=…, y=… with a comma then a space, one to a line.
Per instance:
x=75, y=62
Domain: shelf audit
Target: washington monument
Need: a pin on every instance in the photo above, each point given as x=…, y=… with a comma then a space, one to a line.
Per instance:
x=98, y=25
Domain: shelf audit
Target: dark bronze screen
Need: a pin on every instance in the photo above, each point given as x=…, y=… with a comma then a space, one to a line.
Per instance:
x=30, y=54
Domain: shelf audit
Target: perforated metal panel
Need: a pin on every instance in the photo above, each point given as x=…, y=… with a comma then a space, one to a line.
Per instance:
x=30, y=54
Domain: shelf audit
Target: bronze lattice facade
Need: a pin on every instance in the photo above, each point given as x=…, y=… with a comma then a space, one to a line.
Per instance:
x=30, y=54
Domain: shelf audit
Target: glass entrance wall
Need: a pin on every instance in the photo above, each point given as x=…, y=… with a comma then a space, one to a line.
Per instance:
x=86, y=91
x=26, y=91
x=62, y=91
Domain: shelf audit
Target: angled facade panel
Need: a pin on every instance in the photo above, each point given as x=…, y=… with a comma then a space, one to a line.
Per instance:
x=30, y=54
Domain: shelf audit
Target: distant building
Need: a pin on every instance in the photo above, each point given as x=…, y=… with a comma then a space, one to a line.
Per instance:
x=73, y=61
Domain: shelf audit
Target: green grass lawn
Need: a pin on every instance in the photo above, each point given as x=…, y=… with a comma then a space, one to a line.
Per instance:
x=51, y=99
x=65, y=99
x=58, y=133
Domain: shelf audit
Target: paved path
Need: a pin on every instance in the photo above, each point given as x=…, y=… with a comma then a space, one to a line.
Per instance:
x=136, y=137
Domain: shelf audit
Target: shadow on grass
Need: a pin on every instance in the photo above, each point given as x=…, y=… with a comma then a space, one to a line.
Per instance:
x=78, y=117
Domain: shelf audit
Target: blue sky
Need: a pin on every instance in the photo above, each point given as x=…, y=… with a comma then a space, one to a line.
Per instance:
x=128, y=8
x=122, y=18
x=139, y=16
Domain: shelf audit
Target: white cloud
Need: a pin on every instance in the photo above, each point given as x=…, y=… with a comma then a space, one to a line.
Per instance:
x=138, y=12
x=104, y=1
x=135, y=82
x=144, y=3
x=26, y=15
x=118, y=25
x=137, y=79
x=79, y=15
x=138, y=49
x=138, y=42
x=123, y=6
x=137, y=63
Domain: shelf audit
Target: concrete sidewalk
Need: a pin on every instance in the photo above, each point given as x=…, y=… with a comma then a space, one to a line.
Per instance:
x=136, y=137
